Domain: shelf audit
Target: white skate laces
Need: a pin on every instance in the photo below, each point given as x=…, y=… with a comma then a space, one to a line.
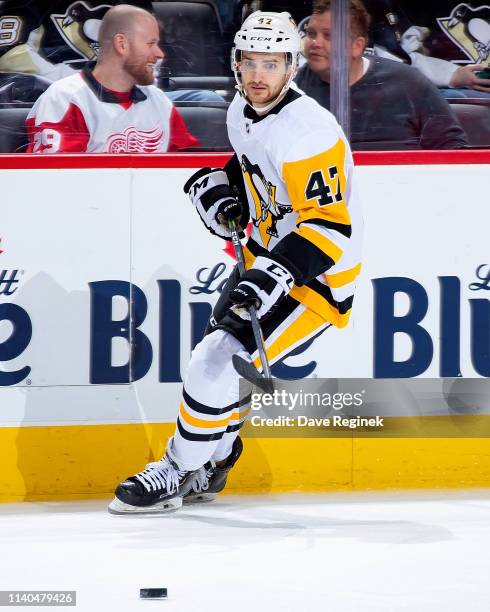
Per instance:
x=201, y=481
x=159, y=475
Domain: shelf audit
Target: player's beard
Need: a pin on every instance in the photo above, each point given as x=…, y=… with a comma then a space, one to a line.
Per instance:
x=141, y=73
x=270, y=94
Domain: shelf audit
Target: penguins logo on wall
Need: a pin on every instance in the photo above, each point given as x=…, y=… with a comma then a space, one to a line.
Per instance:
x=267, y=210
x=79, y=27
x=469, y=29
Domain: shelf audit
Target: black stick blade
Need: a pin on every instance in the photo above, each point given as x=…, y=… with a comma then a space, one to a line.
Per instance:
x=248, y=371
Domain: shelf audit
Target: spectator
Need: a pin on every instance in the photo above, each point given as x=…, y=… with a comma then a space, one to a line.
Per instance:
x=51, y=38
x=449, y=45
x=392, y=105
x=55, y=39
x=115, y=107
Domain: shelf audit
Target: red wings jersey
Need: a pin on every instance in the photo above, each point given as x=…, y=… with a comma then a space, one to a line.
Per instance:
x=76, y=114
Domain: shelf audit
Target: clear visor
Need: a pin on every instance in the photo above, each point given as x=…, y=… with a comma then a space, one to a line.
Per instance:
x=266, y=65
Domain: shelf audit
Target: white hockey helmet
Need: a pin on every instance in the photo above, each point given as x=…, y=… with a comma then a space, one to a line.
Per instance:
x=264, y=32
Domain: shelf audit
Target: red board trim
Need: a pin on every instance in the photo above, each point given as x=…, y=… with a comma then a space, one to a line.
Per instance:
x=421, y=158
x=197, y=160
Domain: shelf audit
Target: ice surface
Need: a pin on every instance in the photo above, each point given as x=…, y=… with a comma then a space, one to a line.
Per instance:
x=334, y=552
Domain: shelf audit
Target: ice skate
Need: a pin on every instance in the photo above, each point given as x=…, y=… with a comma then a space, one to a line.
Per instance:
x=158, y=489
x=211, y=479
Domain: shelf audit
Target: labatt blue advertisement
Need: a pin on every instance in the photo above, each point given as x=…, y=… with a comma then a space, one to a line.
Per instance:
x=107, y=285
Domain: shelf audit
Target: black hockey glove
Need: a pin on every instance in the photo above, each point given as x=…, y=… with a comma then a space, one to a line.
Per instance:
x=263, y=286
x=215, y=201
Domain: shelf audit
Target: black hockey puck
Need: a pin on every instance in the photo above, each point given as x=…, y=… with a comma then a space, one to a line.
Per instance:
x=153, y=593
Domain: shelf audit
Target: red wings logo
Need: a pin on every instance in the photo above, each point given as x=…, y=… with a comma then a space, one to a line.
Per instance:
x=135, y=141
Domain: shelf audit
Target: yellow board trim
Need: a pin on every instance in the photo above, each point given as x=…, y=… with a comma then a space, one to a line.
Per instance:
x=82, y=462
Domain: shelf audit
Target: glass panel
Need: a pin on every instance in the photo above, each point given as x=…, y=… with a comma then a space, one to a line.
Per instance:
x=340, y=69
x=419, y=72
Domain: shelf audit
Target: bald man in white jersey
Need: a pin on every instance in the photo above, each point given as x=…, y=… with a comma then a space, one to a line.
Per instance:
x=114, y=107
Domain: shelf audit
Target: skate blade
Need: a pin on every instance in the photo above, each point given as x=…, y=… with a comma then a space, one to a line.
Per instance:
x=200, y=498
x=165, y=507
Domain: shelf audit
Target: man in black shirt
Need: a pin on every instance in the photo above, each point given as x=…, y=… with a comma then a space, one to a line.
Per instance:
x=393, y=106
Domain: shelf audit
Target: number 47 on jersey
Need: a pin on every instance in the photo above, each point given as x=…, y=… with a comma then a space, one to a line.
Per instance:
x=320, y=189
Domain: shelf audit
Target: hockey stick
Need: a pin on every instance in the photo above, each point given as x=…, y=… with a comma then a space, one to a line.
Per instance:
x=245, y=368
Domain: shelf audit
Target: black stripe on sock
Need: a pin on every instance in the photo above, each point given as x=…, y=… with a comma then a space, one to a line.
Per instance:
x=198, y=437
x=203, y=409
x=232, y=428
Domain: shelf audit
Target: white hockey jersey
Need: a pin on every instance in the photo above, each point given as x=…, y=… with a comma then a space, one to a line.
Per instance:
x=77, y=114
x=298, y=173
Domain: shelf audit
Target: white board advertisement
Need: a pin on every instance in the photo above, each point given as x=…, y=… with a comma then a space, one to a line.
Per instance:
x=96, y=261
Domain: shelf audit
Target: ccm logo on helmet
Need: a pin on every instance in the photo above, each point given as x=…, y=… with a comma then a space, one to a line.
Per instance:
x=259, y=38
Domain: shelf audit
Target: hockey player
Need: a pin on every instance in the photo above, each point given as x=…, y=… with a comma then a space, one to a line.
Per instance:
x=294, y=172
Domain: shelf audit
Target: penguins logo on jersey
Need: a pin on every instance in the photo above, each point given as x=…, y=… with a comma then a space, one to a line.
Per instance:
x=79, y=27
x=469, y=29
x=267, y=210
